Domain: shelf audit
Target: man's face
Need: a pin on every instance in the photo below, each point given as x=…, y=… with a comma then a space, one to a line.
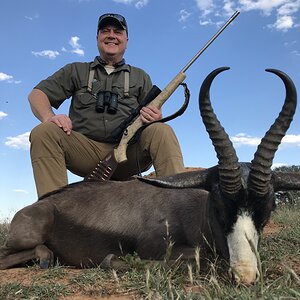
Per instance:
x=112, y=42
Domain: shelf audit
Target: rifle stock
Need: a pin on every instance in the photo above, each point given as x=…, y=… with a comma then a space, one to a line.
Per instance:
x=120, y=151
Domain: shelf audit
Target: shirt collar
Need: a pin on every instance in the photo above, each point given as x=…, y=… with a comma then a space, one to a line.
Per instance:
x=99, y=61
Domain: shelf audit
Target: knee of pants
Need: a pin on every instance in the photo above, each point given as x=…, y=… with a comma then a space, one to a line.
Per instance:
x=44, y=131
x=159, y=130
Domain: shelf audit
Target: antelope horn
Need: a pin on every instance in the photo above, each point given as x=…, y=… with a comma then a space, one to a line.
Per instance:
x=260, y=174
x=228, y=166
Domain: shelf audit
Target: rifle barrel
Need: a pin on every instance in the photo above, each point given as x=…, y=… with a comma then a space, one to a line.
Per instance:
x=210, y=41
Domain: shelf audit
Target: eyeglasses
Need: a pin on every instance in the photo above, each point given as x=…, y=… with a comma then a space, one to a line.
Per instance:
x=118, y=17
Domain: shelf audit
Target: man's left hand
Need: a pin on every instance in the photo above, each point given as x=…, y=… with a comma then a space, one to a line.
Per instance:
x=150, y=113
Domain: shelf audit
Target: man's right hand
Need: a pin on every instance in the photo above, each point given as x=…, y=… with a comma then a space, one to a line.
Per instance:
x=41, y=108
x=62, y=121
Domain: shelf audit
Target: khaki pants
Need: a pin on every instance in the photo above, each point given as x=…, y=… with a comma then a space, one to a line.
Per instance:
x=53, y=152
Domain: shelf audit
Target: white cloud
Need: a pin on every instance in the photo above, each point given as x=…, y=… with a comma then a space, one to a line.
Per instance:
x=266, y=6
x=2, y=115
x=5, y=77
x=52, y=54
x=290, y=7
x=291, y=139
x=295, y=52
x=205, y=6
x=18, y=142
x=205, y=22
x=123, y=1
x=228, y=7
x=77, y=48
x=141, y=3
x=136, y=3
x=8, y=78
x=21, y=191
x=285, y=11
x=243, y=139
x=31, y=18
x=283, y=23
x=79, y=52
x=184, y=15
x=290, y=43
x=74, y=42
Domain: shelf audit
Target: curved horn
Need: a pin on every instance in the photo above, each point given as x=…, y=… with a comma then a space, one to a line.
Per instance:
x=229, y=168
x=260, y=174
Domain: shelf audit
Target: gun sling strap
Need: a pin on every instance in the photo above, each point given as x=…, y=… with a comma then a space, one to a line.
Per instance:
x=97, y=173
x=178, y=113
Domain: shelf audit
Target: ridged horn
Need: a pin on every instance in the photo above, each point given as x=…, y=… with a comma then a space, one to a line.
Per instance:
x=260, y=174
x=228, y=166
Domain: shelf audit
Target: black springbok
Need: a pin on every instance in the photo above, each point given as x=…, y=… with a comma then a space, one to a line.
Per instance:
x=225, y=206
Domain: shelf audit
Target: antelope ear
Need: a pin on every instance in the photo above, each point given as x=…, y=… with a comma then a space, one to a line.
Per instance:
x=192, y=179
x=285, y=181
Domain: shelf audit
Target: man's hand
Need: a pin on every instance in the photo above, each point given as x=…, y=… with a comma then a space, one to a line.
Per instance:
x=150, y=113
x=62, y=121
x=41, y=108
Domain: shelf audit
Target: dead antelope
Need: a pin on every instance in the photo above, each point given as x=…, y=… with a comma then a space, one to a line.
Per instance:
x=225, y=206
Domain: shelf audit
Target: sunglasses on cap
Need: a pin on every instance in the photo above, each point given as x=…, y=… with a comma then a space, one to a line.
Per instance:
x=119, y=18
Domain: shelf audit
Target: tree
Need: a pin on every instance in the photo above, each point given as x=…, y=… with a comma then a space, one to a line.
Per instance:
x=288, y=197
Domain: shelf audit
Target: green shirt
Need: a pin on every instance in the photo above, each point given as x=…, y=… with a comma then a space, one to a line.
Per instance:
x=72, y=81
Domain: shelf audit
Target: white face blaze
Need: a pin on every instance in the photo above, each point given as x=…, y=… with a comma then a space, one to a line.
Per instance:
x=243, y=238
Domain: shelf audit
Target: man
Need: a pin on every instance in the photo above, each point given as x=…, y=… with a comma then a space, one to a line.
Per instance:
x=79, y=141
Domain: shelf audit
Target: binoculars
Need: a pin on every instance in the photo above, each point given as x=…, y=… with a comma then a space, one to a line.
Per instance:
x=107, y=99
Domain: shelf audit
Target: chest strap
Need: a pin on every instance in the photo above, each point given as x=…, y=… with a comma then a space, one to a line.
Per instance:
x=126, y=82
x=90, y=81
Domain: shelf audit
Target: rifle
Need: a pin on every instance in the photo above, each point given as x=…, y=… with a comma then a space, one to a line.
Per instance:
x=117, y=133
x=105, y=168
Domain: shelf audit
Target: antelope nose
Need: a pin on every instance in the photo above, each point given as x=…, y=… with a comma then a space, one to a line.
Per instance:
x=244, y=274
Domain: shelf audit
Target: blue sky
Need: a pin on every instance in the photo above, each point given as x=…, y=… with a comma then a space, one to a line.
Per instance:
x=38, y=37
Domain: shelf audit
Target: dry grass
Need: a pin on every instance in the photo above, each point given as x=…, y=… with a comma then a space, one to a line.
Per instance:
x=279, y=264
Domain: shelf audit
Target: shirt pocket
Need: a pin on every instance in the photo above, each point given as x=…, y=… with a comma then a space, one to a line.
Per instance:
x=127, y=101
x=84, y=99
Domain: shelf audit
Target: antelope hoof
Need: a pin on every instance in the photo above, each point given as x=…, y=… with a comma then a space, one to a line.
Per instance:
x=44, y=264
x=113, y=262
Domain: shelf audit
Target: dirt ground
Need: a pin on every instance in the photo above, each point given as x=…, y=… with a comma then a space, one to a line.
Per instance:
x=28, y=276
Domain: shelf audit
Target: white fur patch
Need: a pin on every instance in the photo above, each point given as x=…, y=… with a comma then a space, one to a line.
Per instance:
x=241, y=243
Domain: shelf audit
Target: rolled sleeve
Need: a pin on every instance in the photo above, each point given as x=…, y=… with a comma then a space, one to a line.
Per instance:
x=63, y=83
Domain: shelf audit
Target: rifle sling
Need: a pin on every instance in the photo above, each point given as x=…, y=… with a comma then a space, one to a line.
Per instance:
x=178, y=113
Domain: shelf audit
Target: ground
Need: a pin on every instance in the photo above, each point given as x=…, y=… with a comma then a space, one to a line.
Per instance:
x=71, y=280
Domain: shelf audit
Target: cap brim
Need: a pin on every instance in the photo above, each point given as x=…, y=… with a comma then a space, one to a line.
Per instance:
x=111, y=20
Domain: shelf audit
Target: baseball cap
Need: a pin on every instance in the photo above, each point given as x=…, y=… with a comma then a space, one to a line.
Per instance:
x=110, y=17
